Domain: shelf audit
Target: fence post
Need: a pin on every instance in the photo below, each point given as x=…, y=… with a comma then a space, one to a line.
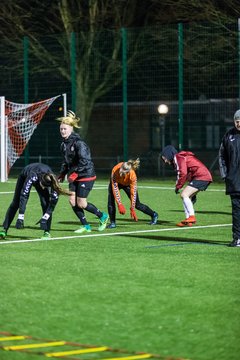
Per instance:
x=180, y=86
x=124, y=92
x=73, y=70
x=26, y=87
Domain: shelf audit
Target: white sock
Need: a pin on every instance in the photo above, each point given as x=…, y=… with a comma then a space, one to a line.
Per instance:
x=188, y=207
x=185, y=210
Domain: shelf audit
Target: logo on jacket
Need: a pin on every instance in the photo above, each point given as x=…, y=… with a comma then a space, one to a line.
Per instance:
x=83, y=185
x=231, y=138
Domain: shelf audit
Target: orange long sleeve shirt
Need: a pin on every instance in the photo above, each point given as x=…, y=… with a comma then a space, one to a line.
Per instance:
x=129, y=179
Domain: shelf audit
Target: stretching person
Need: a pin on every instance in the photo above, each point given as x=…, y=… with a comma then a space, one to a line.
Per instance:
x=124, y=177
x=41, y=177
x=79, y=168
x=191, y=169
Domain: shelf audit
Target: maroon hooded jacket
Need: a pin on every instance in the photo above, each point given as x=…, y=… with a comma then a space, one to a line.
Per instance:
x=189, y=168
x=186, y=164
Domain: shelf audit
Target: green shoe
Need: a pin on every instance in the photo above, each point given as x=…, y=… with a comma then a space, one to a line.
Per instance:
x=3, y=234
x=83, y=229
x=103, y=222
x=46, y=235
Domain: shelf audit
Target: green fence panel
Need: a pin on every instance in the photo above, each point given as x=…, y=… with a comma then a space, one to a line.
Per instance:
x=115, y=79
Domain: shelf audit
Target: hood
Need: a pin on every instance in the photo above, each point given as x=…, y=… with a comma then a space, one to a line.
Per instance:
x=169, y=152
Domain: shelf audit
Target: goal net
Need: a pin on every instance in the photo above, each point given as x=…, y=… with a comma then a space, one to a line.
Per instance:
x=18, y=122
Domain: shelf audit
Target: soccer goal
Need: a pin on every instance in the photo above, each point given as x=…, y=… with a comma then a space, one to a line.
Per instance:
x=18, y=122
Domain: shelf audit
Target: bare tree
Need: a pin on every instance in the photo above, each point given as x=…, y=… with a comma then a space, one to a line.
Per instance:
x=214, y=11
x=97, y=27
x=98, y=50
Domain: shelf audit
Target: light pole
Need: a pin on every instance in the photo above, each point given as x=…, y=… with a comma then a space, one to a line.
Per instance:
x=162, y=110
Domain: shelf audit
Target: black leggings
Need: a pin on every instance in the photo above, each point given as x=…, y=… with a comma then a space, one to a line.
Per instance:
x=235, y=199
x=112, y=205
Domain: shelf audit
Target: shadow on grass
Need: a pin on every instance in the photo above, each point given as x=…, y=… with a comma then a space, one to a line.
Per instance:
x=118, y=221
x=178, y=241
x=206, y=212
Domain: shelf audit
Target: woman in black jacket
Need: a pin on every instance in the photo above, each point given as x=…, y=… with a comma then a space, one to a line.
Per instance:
x=229, y=164
x=80, y=172
x=41, y=177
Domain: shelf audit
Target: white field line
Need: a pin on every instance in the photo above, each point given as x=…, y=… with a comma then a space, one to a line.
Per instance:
x=5, y=242
x=104, y=187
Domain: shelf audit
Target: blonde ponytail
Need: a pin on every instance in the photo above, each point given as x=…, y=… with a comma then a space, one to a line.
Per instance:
x=130, y=165
x=134, y=163
x=50, y=180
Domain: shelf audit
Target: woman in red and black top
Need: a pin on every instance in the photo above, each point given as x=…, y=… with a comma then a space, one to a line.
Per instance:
x=190, y=169
x=79, y=168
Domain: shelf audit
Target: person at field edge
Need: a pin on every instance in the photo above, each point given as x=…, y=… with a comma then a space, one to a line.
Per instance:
x=41, y=177
x=79, y=168
x=124, y=177
x=189, y=168
x=229, y=165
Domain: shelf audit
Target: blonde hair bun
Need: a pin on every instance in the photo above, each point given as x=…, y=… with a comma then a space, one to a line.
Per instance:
x=70, y=119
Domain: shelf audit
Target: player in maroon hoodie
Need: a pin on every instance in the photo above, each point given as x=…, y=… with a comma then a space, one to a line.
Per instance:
x=190, y=169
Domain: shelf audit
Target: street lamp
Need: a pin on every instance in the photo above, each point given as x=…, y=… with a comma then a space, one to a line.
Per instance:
x=162, y=110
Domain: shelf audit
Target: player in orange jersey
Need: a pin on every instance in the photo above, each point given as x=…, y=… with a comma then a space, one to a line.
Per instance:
x=124, y=177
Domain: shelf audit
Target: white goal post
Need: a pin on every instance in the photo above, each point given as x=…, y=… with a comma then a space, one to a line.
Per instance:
x=18, y=123
x=3, y=140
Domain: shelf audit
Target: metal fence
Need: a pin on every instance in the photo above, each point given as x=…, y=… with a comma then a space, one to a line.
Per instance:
x=116, y=80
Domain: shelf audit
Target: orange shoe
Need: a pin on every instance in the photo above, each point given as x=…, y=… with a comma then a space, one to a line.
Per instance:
x=187, y=222
x=184, y=223
x=191, y=220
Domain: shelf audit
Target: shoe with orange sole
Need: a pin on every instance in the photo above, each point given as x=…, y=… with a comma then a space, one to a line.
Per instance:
x=187, y=222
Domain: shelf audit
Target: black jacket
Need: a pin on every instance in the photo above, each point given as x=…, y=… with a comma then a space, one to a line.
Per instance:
x=77, y=157
x=31, y=176
x=229, y=160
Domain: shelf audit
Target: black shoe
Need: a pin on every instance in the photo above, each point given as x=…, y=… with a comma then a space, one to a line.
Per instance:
x=235, y=243
x=111, y=226
x=154, y=219
x=19, y=224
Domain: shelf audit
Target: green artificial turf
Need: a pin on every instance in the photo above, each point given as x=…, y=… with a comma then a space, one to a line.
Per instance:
x=173, y=292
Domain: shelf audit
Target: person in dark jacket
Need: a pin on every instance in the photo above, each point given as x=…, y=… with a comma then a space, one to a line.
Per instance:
x=190, y=169
x=229, y=165
x=80, y=172
x=41, y=177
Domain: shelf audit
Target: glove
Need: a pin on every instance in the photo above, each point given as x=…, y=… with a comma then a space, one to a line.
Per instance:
x=72, y=177
x=121, y=209
x=43, y=222
x=20, y=224
x=176, y=191
x=61, y=178
x=133, y=214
